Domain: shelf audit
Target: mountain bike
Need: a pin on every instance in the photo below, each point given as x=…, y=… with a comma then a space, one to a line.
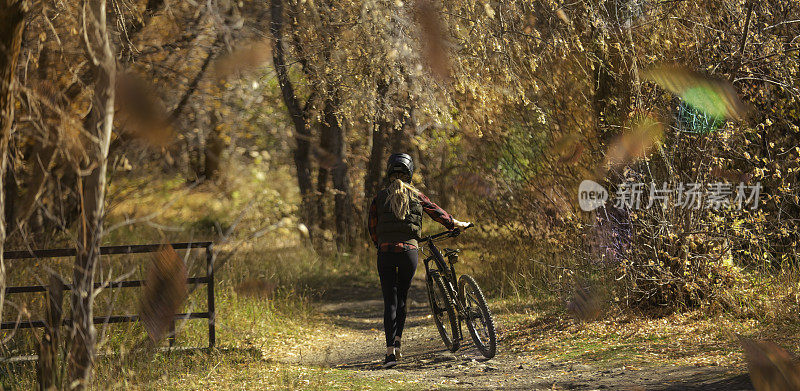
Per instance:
x=451, y=307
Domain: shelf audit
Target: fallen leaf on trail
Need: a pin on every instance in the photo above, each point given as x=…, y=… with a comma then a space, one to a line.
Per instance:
x=164, y=292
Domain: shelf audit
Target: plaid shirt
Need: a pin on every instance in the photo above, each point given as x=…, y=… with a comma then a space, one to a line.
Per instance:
x=434, y=211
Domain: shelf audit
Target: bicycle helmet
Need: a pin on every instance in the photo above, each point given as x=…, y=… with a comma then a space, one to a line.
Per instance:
x=400, y=162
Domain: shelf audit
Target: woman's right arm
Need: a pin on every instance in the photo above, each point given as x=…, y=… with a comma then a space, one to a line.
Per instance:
x=438, y=214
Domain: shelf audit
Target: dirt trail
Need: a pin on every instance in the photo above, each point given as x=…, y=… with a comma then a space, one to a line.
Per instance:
x=358, y=313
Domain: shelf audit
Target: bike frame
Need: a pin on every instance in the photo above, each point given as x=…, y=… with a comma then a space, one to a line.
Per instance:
x=463, y=310
x=447, y=270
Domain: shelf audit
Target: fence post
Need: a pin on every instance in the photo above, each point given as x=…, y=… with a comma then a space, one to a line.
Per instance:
x=47, y=366
x=211, y=312
x=171, y=338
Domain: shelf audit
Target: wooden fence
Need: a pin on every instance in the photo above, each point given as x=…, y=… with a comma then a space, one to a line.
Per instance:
x=208, y=279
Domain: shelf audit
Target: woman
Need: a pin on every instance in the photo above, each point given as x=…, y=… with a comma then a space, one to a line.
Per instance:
x=395, y=218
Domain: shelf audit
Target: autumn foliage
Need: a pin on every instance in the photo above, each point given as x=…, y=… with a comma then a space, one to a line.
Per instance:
x=506, y=108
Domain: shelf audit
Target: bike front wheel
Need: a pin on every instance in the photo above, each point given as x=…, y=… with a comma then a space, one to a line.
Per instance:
x=443, y=310
x=477, y=316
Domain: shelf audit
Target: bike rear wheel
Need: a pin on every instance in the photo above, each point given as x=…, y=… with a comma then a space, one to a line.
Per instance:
x=443, y=310
x=477, y=315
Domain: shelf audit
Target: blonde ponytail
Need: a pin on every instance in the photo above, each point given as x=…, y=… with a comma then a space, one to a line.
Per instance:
x=399, y=198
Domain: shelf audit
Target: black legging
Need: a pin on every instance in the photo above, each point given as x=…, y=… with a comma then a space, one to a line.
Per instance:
x=395, y=271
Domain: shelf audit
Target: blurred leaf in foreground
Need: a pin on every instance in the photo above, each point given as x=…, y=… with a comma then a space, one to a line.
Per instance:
x=139, y=112
x=568, y=149
x=474, y=184
x=586, y=303
x=164, y=292
x=733, y=176
x=714, y=97
x=771, y=367
x=256, y=287
x=326, y=159
x=244, y=58
x=645, y=134
x=563, y=16
x=432, y=38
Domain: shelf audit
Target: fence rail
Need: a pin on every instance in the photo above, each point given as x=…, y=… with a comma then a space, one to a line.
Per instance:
x=208, y=279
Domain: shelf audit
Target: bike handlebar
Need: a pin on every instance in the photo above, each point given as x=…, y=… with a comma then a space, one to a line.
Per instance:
x=451, y=234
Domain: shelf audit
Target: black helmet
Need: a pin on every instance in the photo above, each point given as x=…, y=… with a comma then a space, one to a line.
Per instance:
x=400, y=162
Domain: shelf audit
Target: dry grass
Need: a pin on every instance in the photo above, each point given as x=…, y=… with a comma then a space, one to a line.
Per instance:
x=256, y=331
x=267, y=278
x=543, y=329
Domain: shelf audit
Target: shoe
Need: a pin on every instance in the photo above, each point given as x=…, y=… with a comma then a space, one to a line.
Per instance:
x=397, y=350
x=389, y=361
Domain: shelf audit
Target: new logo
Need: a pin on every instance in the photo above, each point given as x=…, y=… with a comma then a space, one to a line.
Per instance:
x=591, y=195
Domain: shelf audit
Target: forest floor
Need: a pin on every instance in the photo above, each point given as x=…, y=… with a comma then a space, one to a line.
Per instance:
x=357, y=346
x=315, y=322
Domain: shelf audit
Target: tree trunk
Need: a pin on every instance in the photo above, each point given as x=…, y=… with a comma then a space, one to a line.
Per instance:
x=323, y=173
x=12, y=22
x=400, y=139
x=302, y=133
x=603, y=82
x=343, y=208
x=434, y=171
x=215, y=144
x=379, y=134
x=99, y=124
x=402, y=135
x=376, y=163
